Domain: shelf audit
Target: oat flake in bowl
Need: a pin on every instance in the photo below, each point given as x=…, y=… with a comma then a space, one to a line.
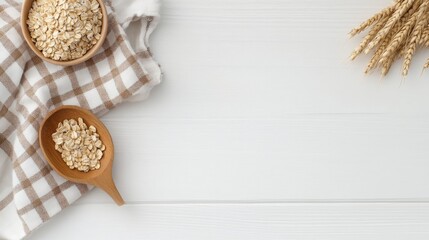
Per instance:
x=65, y=29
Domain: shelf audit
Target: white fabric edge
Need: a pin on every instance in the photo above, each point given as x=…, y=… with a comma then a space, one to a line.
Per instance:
x=126, y=10
x=146, y=15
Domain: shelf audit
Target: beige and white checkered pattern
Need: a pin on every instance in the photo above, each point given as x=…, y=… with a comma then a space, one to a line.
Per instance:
x=30, y=88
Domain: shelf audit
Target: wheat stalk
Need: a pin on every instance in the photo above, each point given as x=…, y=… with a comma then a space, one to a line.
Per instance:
x=397, y=40
x=381, y=15
x=386, y=65
x=386, y=40
x=424, y=38
x=401, y=10
x=415, y=36
x=368, y=38
x=376, y=57
x=396, y=31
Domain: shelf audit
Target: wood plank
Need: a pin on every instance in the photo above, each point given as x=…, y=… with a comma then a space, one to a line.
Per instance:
x=259, y=106
x=258, y=103
x=347, y=221
x=271, y=59
x=332, y=156
x=261, y=111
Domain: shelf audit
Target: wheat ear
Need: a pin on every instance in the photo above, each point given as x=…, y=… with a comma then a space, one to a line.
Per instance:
x=398, y=39
x=368, y=38
x=401, y=10
x=386, y=40
x=377, y=17
x=415, y=35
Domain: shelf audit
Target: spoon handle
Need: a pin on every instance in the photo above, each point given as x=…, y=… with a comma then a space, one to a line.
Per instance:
x=106, y=183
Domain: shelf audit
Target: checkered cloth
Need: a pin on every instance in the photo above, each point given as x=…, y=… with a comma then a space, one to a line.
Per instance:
x=29, y=89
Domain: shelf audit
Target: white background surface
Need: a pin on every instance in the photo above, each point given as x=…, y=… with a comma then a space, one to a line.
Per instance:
x=262, y=129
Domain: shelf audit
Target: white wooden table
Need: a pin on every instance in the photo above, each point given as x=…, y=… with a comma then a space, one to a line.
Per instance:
x=262, y=129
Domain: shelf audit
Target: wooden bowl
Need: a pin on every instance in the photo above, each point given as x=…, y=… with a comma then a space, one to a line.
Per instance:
x=26, y=6
x=101, y=177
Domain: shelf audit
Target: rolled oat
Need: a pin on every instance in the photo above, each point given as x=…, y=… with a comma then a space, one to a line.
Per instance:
x=80, y=146
x=65, y=29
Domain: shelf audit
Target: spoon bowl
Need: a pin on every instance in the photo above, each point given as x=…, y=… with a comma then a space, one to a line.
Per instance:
x=102, y=177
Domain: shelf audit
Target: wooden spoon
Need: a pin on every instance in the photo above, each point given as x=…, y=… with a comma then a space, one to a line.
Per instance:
x=102, y=177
